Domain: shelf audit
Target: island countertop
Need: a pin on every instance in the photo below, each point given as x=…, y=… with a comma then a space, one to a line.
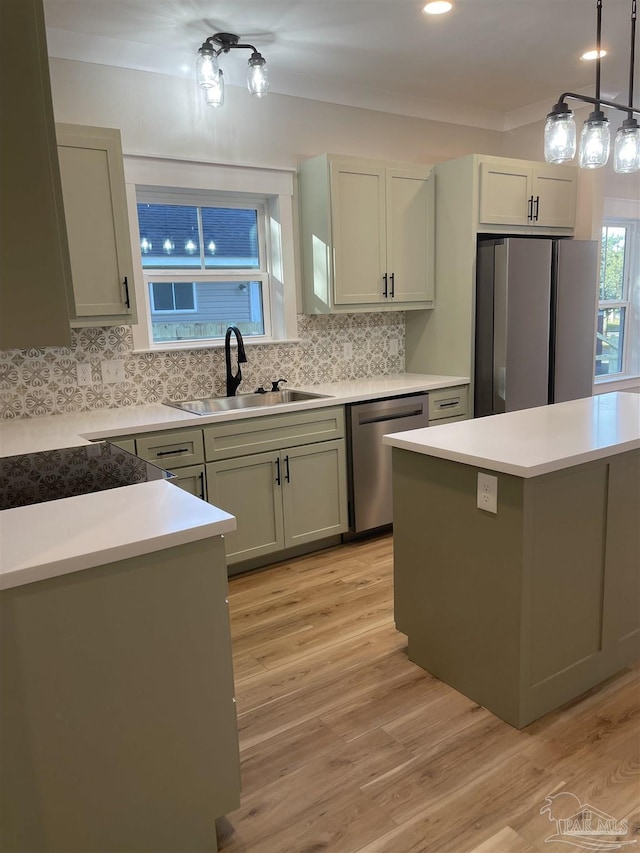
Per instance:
x=537, y=441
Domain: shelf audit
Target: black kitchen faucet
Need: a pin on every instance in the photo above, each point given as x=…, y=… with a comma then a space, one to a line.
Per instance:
x=233, y=380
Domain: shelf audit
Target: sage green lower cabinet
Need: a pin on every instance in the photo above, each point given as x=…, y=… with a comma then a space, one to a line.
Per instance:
x=192, y=479
x=526, y=609
x=283, y=499
x=118, y=728
x=284, y=478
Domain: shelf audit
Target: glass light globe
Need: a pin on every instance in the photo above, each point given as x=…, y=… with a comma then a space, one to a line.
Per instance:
x=595, y=141
x=206, y=67
x=258, y=76
x=560, y=137
x=626, y=150
x=214, y=95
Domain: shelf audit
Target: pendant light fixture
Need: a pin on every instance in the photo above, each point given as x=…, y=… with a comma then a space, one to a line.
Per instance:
x=595, y=138
x=209, y=74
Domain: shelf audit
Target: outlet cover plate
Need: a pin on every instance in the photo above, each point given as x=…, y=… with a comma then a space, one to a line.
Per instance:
x=487, y=498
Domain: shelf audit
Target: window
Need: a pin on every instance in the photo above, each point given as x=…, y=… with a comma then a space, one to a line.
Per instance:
x=205, y=266
x=616, y=347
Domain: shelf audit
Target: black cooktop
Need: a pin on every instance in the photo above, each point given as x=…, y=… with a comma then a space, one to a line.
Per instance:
x=48, y=475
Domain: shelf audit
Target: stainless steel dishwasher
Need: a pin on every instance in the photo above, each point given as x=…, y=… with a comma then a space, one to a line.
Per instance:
x=370, y=500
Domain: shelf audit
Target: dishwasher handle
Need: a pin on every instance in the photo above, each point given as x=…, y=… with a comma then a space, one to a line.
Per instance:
x=377, y=413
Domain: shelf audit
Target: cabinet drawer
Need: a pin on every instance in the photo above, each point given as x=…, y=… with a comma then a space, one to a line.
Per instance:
x=173, y=449
x=447, y=403
x=271, y=432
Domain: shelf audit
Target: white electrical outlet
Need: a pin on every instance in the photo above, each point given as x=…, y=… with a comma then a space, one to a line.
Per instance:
x=487, y=498
x=394, y=346
x=113, y=371
x=83, y=374
x=347, y=350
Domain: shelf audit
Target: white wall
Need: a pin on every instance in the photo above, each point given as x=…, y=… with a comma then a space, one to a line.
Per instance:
x=166, y=116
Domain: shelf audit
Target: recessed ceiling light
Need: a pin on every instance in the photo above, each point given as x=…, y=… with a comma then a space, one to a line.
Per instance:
x=437, y=7
x=593, y=54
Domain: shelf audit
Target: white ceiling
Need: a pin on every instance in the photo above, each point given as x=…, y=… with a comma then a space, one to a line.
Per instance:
x=488, y=63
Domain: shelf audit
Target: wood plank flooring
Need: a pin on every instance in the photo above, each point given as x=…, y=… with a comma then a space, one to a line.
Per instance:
x=347, y=746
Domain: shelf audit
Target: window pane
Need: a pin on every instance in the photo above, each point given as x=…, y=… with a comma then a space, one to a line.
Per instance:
x=219, y=304
x=169, y=236
x=612, y=261
x=162, y=293
x=230, y=238
x=184, y=295
x=610, y=341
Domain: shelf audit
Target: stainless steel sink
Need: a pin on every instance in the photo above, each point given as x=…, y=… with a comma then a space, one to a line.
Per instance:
x=245, y=401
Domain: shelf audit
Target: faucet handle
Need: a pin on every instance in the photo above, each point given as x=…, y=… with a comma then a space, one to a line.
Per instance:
x=275, y=385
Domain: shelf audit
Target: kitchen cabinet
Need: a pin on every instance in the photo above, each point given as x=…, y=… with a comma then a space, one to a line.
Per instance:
x=93, y=190
x=35, y=271
x=117, y=688
x=282, y=476
x=181, y=452
x=367, y=232
x=520, y=193
x=447, y=405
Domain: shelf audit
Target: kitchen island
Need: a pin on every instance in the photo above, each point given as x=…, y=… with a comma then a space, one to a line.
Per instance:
x=526, y=608
x=117, y=719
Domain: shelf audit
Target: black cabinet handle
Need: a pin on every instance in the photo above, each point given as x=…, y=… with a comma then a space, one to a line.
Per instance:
x=530, y=209
x=126, y=292
x=393, y=284
x=537, y=203
x=278, y=481
x=286, y=469
x=384, y=292
x=172, y=452
x=201, y=478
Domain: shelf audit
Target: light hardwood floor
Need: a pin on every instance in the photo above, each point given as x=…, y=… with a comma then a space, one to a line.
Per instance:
x=348, y=746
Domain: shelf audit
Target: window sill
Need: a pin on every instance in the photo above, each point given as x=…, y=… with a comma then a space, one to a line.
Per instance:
x=191, y=345
x=617, y=383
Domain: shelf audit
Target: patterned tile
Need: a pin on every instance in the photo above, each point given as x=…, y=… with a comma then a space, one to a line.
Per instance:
x=38, y=382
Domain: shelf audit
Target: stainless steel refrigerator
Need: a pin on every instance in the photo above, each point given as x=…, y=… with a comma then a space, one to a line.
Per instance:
x=535, y=322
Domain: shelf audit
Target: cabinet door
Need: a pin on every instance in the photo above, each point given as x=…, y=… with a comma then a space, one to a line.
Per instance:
x=554, y=198
x=249, y=488
x=314, y=492
x=95, y=207
x=191, y=479
x=358, y=233
x=504, y=194
x=410, y=235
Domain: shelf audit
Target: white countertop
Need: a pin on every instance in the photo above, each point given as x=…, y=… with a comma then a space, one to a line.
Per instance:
x=48, y=433
x=58, y=537
x=537, y=441
x=54, y=538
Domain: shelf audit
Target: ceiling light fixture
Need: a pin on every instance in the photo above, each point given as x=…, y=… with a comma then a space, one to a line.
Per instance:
x=437, y=7
x=209, y=74
x=560, y=128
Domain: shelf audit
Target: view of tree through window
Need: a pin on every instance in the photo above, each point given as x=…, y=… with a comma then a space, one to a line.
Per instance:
x=613, y=304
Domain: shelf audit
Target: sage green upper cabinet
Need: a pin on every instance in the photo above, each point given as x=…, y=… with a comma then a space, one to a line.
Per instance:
x=526, y=195
x=95, y=204
x=34, y=257
x=367, y=232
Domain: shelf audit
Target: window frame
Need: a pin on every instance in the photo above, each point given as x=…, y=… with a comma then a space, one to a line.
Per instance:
x=630, y=276
x=198, y=179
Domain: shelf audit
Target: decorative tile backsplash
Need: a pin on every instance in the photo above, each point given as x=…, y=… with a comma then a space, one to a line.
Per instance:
x=38, y=382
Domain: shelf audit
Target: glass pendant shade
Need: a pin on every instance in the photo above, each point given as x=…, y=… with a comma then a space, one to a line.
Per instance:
x=206, y=67
x=258, y=76
x=560, y=137
x=214, y=95
x=626, y=150
x=595, y=141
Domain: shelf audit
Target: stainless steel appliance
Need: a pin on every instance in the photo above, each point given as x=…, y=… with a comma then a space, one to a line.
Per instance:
x=535, y=322
x=370, y=501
